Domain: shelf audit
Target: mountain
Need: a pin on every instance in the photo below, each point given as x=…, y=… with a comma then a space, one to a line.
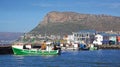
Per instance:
x=67, y=22
x=9, y=36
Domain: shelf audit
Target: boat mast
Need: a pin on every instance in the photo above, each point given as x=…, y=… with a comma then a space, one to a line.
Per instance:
x=48, y=20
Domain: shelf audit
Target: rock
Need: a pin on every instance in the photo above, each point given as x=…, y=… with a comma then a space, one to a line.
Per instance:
x=69, y=22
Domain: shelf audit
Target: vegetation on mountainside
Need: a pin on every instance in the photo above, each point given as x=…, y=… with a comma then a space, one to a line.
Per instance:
x=59, y=23
x=58, y=28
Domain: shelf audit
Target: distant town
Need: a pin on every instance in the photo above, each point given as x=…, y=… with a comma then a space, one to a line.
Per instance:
x=83, y=36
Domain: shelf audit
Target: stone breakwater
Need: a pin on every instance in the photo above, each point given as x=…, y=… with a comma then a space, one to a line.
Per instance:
x=6, y=50
x=108, y=46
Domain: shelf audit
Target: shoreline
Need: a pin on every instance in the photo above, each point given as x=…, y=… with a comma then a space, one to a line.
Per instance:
x=108, y=46
x=8, y=49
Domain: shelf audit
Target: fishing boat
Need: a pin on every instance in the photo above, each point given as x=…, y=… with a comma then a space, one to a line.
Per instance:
x=22, y=49
x=27, y=49
x=87, y=47
x=92, y=47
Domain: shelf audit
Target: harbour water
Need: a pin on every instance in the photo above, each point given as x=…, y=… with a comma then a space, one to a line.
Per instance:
x=96, y=58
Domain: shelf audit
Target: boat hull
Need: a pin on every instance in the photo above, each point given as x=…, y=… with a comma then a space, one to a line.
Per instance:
x=93, y=48
x=18, y=51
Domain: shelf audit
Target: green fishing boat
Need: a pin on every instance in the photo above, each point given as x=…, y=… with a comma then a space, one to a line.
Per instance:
x=92, y=47
x=21, y=49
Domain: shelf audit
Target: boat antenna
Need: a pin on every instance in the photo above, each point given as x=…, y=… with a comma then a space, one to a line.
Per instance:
x=48, y=20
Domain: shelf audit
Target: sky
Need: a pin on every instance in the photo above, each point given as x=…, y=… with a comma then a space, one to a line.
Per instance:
x=24, y=15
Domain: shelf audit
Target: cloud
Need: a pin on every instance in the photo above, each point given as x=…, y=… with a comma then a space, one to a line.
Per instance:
x=101, y=4
x=76, y=4
x=42, y=5
x=115, y=5
x=110, y=5
x=60, y=4
x=7, y=21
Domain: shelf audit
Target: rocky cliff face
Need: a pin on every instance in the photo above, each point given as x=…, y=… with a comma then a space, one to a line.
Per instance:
x=62, y=17
x=67, y=22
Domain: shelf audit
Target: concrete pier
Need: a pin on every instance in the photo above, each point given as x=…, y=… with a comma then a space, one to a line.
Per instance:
x=108, y=46
x=6, y=50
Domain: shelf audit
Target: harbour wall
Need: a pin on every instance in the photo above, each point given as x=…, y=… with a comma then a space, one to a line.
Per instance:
x=5, y=50
x=108, y=46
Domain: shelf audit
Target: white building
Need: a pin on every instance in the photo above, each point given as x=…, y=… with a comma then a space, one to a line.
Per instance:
x=98, y=39
x=86, y=36
x=69, y=38
x=105, y=38
x=101, y=38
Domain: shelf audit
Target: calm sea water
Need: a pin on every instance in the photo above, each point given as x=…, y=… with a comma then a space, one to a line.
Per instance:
x=97, y=58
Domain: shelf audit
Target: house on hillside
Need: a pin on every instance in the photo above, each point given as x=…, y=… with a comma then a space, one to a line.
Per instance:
x=86, y=36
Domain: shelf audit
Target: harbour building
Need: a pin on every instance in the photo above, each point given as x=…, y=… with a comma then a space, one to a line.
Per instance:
x=84, y=36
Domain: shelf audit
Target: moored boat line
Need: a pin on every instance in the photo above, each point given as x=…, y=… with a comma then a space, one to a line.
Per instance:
x=8, y=49
x=78, y=46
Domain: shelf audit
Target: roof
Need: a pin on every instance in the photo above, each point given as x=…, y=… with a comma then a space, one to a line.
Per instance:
x=87, y=31
x=106, y=34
